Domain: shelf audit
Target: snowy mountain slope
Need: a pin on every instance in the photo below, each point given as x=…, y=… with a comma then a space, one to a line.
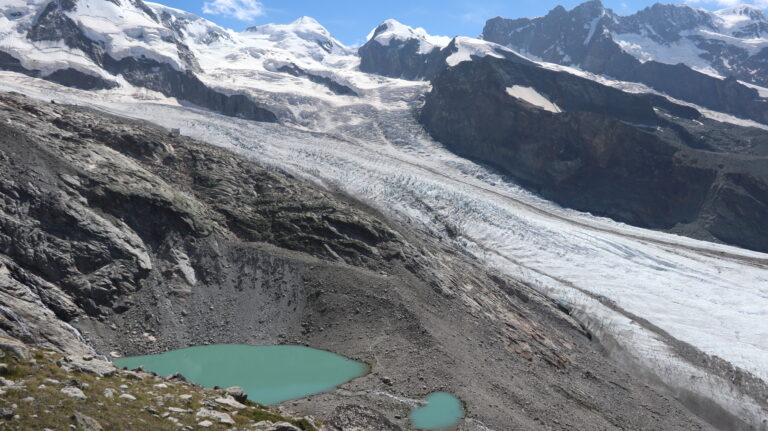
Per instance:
x=42, y=33
x=689, y=53
x=396, y=50
x=392, y=30
x=147, y=48
x=642, y=292
x=728, y=42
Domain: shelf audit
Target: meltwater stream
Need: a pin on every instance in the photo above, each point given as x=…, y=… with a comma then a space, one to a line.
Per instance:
x=267, y=374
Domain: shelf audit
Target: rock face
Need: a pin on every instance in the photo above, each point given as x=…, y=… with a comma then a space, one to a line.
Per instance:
x=642, y=47
x=399, y=51
x=611, y=153
x=78, y=235
x=149, y=242
x=69, y=77
x=335, y=87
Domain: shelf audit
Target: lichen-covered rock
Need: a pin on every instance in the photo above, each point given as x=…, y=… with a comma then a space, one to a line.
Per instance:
x=86, y=423
x=15, y=348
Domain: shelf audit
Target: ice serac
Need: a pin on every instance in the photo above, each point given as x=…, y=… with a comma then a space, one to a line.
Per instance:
x=689, y=53
x=398, y=51
x=99, y=44
x=631, y=157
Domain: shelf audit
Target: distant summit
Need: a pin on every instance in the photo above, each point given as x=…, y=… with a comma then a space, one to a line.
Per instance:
x=399, y=51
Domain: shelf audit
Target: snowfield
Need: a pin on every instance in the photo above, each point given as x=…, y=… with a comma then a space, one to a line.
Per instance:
x=533, y=97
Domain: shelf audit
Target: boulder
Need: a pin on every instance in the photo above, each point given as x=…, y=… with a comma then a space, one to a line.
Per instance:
x=15, y=348
x=219, y=417
x=74, y=392
x=229, y=402
x=86, y=423
x=237, y=393
x=283, y=426
x=6, y=413
x=91, y=366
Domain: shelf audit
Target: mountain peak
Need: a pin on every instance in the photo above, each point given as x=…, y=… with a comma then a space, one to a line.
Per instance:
x=392, y=29
x=304, y=25
x=591, y=5
x=306, y=20
x=745, y=10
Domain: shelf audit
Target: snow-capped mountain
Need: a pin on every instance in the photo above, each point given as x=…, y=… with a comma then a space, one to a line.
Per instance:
x=729, y=42
x=648, y=47
x=101, y=44
x=397, y=50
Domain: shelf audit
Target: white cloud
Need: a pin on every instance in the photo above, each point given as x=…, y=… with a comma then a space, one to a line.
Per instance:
x=243, y=10
x=730, y=3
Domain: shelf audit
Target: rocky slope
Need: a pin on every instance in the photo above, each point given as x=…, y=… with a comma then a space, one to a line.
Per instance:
x=148, y=242
x=42, y=389
x=635, y=158
x=675, y=49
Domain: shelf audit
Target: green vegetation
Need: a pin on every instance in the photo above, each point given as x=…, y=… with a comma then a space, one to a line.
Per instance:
x=126, y=401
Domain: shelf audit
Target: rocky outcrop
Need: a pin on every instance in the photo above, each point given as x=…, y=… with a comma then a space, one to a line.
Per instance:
x=335, y=87
x=608, y=152
x=586, y=37
x=399, y=51
x=185, y=85
x=108, y=248
x=68, y=77
x=406, y=59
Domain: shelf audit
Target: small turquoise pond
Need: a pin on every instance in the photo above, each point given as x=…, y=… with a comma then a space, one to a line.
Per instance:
x=268, y=374
x=442, y=411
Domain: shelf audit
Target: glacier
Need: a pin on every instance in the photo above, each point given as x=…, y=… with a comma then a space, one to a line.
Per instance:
x=641, y=292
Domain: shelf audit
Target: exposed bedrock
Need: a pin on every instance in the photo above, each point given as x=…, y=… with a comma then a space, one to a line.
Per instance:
x=620, y=155
x=584, y=37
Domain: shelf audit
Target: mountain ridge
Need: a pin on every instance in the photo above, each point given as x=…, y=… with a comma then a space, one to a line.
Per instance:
x=650, y=47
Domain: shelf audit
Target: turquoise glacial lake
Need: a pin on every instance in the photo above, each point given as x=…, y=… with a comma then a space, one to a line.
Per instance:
x=268, y=374
x=442, y=411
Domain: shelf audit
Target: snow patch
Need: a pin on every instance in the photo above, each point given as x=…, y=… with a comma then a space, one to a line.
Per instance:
x=530, y=95
x=467, y=47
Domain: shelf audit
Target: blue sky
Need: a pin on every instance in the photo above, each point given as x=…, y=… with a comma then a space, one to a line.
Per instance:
x=351, y=20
